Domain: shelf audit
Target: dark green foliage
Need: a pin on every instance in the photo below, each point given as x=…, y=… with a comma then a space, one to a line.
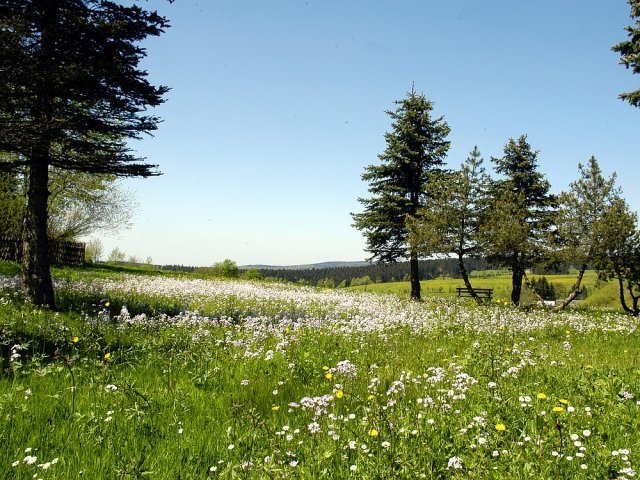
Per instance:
x=399, y=185
x=252, y=274
x=520, y=220
x=617, y=254
x=544, y=288
x=629, y=51
x=72, y=95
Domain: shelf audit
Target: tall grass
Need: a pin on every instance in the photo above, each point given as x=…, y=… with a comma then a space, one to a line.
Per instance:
x=274, y=381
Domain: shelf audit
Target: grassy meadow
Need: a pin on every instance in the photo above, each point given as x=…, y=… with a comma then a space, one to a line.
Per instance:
x=599, y=294
x=145, y=375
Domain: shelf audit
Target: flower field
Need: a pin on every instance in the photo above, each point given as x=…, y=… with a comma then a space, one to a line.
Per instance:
x=159, y=377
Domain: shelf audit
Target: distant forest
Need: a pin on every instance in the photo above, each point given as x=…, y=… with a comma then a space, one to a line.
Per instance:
x=346, y=276
x=373, y=273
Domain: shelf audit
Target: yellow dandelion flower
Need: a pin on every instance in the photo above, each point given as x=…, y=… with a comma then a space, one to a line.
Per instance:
x=589, y=367
x=325, y=368
x=275, y=408
x=371, y=397
x=75, y=339
x=563, y=401
x=501, y=427
x=373, y=432
x=107, y=304
x=339, y=393
x=107, y=355
x=541, y=396
x=328, y=375
x=557, y=409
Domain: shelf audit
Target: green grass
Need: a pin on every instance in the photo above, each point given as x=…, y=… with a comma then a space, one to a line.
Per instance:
x=599, y=294
x=307, y=384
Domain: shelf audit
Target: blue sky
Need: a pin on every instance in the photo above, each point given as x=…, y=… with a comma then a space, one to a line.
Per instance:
x=277, y=106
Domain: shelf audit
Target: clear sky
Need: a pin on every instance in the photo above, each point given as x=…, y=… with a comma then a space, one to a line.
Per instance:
x=277, y=106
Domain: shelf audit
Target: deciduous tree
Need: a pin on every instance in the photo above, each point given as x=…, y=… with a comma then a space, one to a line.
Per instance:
x=416, y=149
x=617, y=253
x=451, y=221
x=82, y=204
x=629, y=51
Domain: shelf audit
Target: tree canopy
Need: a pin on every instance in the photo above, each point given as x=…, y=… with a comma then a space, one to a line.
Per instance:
x=629, y=51
x=583, y=209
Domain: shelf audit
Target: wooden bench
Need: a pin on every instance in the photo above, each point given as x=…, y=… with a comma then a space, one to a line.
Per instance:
x=481, y=292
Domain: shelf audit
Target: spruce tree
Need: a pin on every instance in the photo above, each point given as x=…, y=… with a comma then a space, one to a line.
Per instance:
x=519, y=222
x=72, y=94
x=629, y=51
x=416, y=149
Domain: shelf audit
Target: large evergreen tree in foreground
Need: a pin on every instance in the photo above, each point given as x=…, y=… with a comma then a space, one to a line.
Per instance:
x=415, y=153
x=72, y=94
x=629, y=51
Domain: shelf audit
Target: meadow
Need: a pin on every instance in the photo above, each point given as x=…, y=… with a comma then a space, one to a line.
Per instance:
x=158, y=376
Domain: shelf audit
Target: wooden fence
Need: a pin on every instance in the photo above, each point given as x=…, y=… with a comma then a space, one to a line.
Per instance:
x=60, y=253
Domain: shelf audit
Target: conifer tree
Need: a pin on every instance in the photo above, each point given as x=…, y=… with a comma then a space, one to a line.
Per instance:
x=617, y=253
x=629, y=51
x=450, y=222
x=72, y=94
x=520, y=219
x=415, y=153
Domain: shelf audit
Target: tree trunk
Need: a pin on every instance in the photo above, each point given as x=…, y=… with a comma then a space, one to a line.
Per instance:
x=36, y=275
x=415, y=277
x=623, y=302
x=575, y=290
x=465, y=279
x=516, y=284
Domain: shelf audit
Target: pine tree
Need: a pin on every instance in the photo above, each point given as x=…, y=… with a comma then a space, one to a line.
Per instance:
x=415, y=153
x=11, y=204
x=630, y=52
x=450, y=222
x=520, y=219
x=72, y=94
